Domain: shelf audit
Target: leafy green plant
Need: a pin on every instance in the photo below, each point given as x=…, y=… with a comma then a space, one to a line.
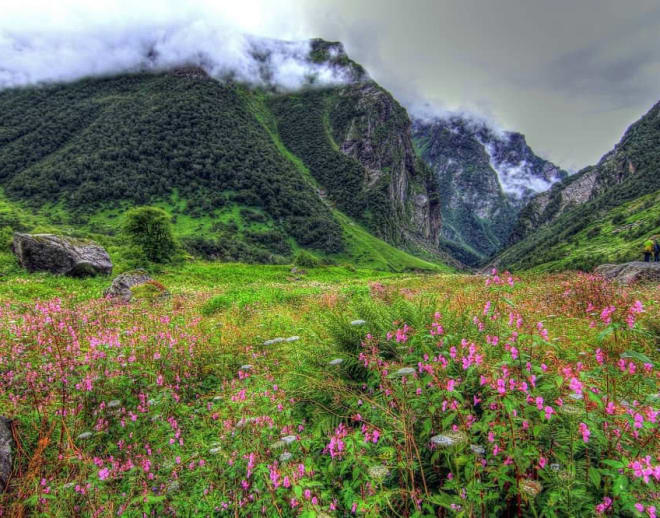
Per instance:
x=150, y=229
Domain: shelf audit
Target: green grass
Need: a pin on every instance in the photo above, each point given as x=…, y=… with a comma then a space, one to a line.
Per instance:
x=368, y=251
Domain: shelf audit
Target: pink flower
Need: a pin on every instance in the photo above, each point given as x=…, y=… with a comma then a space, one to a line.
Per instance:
x=104, y=473
x=542, y=462
x=584, y=430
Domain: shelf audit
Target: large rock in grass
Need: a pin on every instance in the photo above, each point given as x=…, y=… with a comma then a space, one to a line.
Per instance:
x=121, y=287
x=629, y=273
x=61, y=255
x=6, y=442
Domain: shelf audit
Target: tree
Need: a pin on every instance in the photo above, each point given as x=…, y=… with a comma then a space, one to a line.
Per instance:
x=150, y=229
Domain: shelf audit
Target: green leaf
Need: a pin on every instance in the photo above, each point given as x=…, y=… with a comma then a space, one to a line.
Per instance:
x=594, y=476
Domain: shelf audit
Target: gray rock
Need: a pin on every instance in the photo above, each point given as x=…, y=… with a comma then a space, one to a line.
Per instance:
x=122, y=284
x=629, y=273
x=61, y=255
x=274, y=341
x=84, y=435
x=216, y=450
x=336, y=361
x=246, y=367
x=286, y=456
x=293, y=339
x=358, y=322
x=114, y=403
x=404, y=371
x=6, y=443
x=289, y=439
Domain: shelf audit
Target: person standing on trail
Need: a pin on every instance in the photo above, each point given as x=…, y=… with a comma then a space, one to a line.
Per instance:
x=648, y=250
x=656, y=250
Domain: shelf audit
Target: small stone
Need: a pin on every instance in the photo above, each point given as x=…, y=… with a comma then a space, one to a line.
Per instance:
x=286, y=456
x=449, y=439
x=404, y=371
x=289, y=439
x=555, y=467
x=84, y=435
x=293, y=339
x=68, y=485
x=336, y=361
x=114, y=403
x=277, y=445
x=274, y=341
x=476, y=449
x=215, y=450
x=246, y=367
x=576, y=396
x=152, y=402
x=217, y=398
x=358, y=322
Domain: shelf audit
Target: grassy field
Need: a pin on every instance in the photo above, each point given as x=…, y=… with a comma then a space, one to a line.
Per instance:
x=253, y=391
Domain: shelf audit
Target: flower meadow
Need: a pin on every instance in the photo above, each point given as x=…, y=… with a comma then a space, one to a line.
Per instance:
x=414, y=396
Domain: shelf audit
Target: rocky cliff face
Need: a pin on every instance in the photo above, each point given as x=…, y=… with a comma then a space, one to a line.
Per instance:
x=627, y=171
x=355, y=140
x=485, y=178
x=367, y=124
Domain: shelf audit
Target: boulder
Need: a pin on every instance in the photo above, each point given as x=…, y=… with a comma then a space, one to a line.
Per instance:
x=61, y=255
x=6, y=441
x=122, y=284
x=629, y=273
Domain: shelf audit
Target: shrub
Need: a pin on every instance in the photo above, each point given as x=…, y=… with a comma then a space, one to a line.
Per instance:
x=306, y=260
x=150, y=229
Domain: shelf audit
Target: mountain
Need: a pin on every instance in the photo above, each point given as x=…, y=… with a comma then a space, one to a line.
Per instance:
x=600, y=214
x=486, y=177
x=249, y=171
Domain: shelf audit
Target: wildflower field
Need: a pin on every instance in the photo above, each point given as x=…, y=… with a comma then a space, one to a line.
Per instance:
x=248, y=392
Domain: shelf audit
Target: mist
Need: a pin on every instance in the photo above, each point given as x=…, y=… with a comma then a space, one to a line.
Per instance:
x=223, y=51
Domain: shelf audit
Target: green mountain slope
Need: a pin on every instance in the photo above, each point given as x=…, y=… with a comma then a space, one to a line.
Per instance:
x=558, y=229
x=223, y=159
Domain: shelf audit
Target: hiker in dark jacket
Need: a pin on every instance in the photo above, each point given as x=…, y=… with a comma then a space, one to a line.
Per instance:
x=656, y=250
x=648, y=249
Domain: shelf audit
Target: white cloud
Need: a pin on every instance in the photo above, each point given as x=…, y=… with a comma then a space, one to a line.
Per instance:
x=69, y=40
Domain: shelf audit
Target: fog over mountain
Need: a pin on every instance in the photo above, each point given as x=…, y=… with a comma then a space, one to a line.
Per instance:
x=569, y=76
x=223, y=51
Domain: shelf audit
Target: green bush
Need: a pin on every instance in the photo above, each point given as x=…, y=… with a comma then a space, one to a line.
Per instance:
x=150, y=229
x=306, y=260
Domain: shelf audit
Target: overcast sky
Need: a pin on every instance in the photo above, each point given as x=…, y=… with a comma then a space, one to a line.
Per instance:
x=569, y=74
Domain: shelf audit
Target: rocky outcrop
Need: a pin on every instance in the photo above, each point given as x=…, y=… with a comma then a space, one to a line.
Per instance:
x=485, y=177
x=624, y=173
x=61, y=255
x=6, y=442
x=369, y=125
x=122, y=284
x=629, y=273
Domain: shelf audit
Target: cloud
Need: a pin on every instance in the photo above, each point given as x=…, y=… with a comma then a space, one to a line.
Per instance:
x=38, y=54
